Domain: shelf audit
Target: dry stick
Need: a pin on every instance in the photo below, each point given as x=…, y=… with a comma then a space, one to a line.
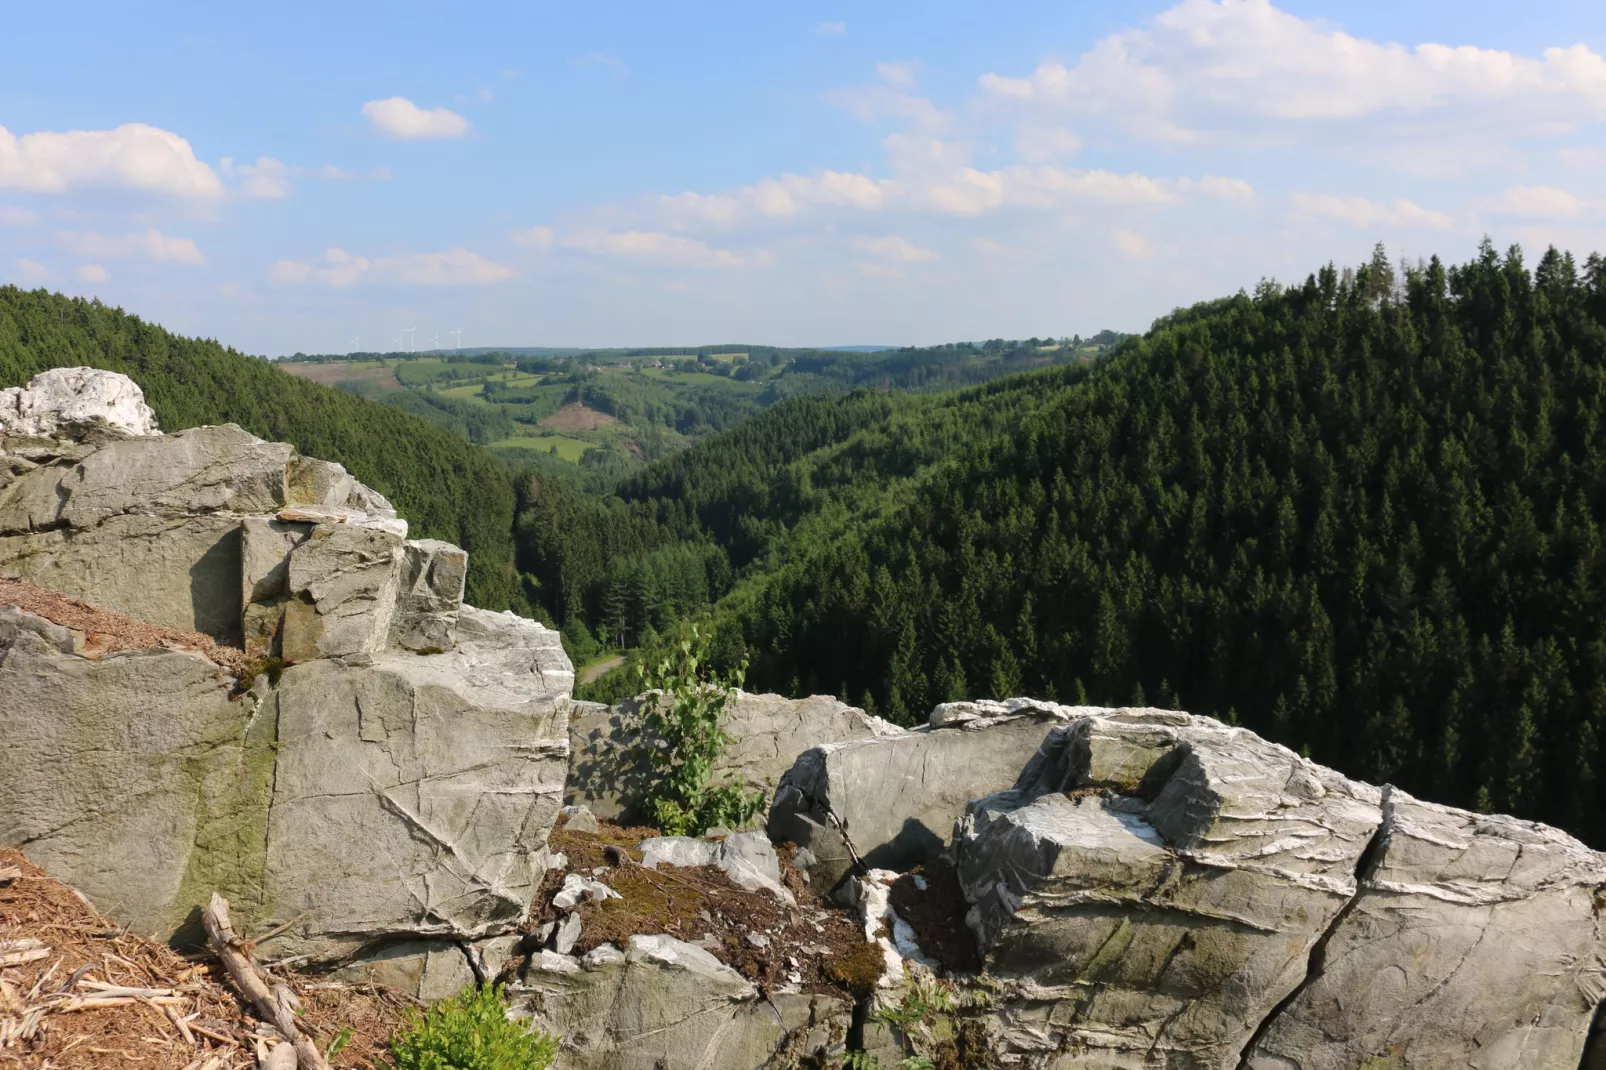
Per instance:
x=220, y=933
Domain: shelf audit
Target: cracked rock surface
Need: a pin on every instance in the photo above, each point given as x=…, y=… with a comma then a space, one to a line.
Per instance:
x=1154, y=885
x=1474, y=941
x=392, y=789
x=666, y=1003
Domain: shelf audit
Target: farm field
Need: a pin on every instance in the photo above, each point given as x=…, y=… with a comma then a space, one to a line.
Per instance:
x=381, y=375
x=569, y=449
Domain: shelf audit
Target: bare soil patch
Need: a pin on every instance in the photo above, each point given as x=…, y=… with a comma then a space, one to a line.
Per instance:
x=578, y=418
x=815, y=943
x=79, y=993
x=937, y=915
x=105, y=632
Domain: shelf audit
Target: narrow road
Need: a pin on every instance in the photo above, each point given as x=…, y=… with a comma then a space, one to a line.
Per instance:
x=599, y=668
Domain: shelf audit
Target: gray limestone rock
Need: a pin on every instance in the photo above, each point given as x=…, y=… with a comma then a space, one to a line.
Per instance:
x=667, y=1003
x=114, y=773
x=14, y=622
x=407, y=798
x=413, y=795
x=431, y=590
x=65, y=401
x=747, y=858
x=891, y=800
x=1154, y=885
x=180, y=572
x=342, y=584
x=200, y=470
x=567, y=934
x=427, y=970
x=608, y=769
x=1475, y=941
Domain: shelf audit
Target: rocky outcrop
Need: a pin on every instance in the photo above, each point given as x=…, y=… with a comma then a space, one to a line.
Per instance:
x=1156, y=883
x=1156, y=889
x=1474, y=940
x=608, y=765
x=664, y=1003
x=73, y=402
x=382, y=790
x=889, y=801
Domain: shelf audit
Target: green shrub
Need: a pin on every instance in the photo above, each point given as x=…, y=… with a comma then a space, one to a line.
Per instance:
x=685, y=720
x=472, y=1032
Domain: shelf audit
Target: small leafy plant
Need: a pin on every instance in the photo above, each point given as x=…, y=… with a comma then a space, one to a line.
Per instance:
x=684, y=719
x=472, y=1031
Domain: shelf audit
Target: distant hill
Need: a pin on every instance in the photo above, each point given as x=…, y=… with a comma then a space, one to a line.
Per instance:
x=445, y=486
x=605, y=412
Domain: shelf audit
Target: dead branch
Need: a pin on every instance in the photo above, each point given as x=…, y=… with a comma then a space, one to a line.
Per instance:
x=231, y=950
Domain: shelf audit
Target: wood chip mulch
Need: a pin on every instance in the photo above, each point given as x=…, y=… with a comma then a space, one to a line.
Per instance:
x=78, y=993
x=106, y=632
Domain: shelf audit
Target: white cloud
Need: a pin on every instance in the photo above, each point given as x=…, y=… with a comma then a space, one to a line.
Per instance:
x=655, y=247
x=17, y=217
x=895, y=248
x=150, y=243
x=1132, y=244
x=486, y=94
x=903, y=72
x=401, y=118
x=340, y=269
x=1538, y=201
x=1360, y=212
x=1243, y=70
x=131, y=157
x=533, y=237
x=267, y=179
x=31, y=270
x=831, y=29
x=1036, y=143
x=91, y=273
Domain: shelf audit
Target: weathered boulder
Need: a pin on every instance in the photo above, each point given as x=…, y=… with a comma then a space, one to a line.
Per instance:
x=180, y=572
x=201, y=470
x=662, y=1003
x=64, y=401
x=369, y=799
x=114, y=771
x=747, y=858
x=414, y=794
x=890, y=801
x=608, y=767
x=1155, y=885
x=341, y=584
x=429, y=593
x=1475, y=941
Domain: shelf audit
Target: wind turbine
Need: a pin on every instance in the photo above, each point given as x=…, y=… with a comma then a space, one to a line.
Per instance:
x=408, y=331
x=433, y=341
x=457, y=339
x=356, y=344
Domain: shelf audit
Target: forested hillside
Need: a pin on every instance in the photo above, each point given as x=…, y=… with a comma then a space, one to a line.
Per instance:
x=1362, y=515
x=447, y=487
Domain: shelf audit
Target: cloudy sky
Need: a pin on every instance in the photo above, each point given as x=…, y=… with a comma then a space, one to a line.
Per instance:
x=300, y=176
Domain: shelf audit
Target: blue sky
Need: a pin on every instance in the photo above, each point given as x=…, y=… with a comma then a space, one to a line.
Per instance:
x=300, y=176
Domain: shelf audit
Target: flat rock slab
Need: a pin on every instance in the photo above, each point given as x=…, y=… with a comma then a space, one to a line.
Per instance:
x=665, y=1003
x=200, y=470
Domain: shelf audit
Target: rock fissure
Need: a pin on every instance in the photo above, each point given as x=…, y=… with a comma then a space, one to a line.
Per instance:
x=1316, y=962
